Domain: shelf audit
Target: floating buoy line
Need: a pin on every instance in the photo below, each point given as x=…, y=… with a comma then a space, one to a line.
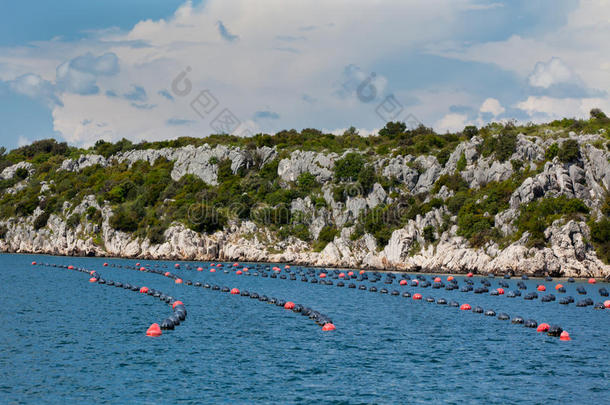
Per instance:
x=348, y=279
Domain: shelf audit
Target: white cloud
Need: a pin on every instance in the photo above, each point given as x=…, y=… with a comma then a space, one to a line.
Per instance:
x=23, y=141
x=245, y=75
x=451, y=123
x=36, y=87
x=544, y=108
x=493, y=106
x=552, y=72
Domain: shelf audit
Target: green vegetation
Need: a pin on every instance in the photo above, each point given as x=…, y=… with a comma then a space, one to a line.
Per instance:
x=146, y=200
x=536, y=216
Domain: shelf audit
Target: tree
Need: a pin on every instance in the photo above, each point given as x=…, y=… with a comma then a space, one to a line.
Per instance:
x=349, y=167
x=569, y=151
x=393, y=129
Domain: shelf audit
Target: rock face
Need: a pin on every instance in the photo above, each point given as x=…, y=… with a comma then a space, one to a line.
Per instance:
x=412, y=247
x=200, y=161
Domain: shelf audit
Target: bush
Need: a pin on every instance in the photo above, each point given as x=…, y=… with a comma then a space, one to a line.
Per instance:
x=41, y=220
x=569, y=151
x=205, y=218
x=124, y=220
x=367, y=178
x=306, y=182
x=3, y=231
x=349, y=167
x=73, y=221
x=461, y=163
x=470, y=131
x=429, y=234
x=392, y=130
x=327, y=235
x=453, y=182
x=538, y=215
x=21, y=173
x=156, y=234
x=600, y=236
x=552, y=151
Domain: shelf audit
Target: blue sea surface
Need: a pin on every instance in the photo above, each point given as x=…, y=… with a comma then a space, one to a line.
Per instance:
x=66, y=340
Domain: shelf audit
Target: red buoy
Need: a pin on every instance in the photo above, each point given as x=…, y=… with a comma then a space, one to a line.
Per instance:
x=450, y=278
x=199, y=268
x=322, y=275
x=167, y=274
x=234, y=291
x=235, y=264
x=105, y=264
x=543, y=327
x=176, y=303
x=564, y=335
x=558, y=286
x=361, y=271
x=219, y=265
x=138, y=264
x=469, y=275
x=154, y=330
x=286, y=266
x=33, y=263
x=592, y=281
x=92, y=280
x=341, y=275
x=607, y=304
x=416, y=282
x=212, y=270
x=245, y=269
x=541, y=288
x=177, y=266
x=212, y=264
x=70, y=267
x=142, y=268
x=328, y=327
x=289, y=305
x=437, y=280
x=238, y=272
x=350, y=273
x=144, y=290
x=91, y=272
x=417, y=296
x=500, y=291
x=178, y=281
x=403, y=282
x=465, y=307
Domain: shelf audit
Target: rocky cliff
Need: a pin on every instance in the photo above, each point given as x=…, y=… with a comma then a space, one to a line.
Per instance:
x=428, y=241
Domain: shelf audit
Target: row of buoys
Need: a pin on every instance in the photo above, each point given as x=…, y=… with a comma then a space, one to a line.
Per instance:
x=555, y=331
x=437, y=283
x=320, y=318
x=154, y=329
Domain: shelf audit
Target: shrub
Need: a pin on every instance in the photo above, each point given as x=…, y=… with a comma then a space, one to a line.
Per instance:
x=551, y=151
x=461, y=163
x=470, y=131
x=453, y=182
x=349, y=166
x=393, y=129
x=3, y=231
x=41, y=220
x=429, y=233
x=367, y=178
x=327, y=235
x=538, y=215
x=205, y=218
x=124, y=220
x=569, y=151
x=73, y=221
x=600, y=236
x=306, y=182
x=22, y=173
x=156, y=234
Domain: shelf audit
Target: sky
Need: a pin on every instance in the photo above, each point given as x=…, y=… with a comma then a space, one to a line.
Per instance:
x=149, y=70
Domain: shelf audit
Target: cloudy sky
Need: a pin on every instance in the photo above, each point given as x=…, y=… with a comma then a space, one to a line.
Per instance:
x=159, y=69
